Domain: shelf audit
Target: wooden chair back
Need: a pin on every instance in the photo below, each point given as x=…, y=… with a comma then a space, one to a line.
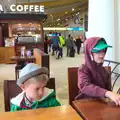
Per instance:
x=73, y=80
x=11, y=89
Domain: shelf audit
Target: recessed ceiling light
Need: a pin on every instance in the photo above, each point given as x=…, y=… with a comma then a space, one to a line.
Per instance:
x=73, y=9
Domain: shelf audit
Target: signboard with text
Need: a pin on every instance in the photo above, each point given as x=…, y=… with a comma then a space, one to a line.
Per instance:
x=25, y=8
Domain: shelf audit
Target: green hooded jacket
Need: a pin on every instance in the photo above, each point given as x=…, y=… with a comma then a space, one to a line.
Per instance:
x=48, y=100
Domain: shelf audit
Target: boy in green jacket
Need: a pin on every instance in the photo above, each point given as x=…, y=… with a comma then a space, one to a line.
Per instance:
x=32, y=81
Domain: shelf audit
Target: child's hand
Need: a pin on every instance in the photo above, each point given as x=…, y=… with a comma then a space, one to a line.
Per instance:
x=113, y=96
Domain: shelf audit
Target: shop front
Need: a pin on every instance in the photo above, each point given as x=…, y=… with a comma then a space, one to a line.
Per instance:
x=18, y=30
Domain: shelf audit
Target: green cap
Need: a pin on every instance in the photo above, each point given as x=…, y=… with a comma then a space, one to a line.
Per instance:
x=100, y=46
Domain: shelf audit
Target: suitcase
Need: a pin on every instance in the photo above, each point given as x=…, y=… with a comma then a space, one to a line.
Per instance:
x=72, y=52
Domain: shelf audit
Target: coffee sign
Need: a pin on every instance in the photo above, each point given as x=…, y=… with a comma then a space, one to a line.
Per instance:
x=25, y=8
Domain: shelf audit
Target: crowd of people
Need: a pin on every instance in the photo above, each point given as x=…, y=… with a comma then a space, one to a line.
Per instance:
x=56, y=43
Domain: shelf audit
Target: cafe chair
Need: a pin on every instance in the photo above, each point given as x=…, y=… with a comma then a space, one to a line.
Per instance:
x=72, y=82
x=11, y=89
x=17, y=70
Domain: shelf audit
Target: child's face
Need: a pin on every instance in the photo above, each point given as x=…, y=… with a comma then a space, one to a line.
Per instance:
x=34, y=91
x=99, y=57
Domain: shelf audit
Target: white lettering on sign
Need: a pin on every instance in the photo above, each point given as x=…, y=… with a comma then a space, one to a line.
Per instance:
x=32, y=29
x=36, y=8
x=1, y=8
x=20, y=8
x=12, y=8
x=30, y=8
x=25, y=8
x=42, y=8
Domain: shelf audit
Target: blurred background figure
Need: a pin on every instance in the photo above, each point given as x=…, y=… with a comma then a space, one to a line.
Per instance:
x=69, y=44
x=78, y=44
x=55, y=42
x=46, y=44
x=61, y=44
x=50, y=41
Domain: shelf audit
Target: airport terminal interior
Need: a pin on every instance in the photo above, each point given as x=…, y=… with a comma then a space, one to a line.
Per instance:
x=51, y=34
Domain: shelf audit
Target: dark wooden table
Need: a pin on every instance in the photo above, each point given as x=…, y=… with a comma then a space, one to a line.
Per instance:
x=65, y=112
x=97, y=110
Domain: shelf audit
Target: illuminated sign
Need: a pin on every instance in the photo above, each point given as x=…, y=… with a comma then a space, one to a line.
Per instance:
x=25, y=8
x=27, y=29
x=64, y=28
x=53, y=28
x=49, y=28
x=75, y=29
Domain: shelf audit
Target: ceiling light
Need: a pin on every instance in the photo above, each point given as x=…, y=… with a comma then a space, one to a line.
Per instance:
x=66, y=12
x=73, y=9
x=78, y=13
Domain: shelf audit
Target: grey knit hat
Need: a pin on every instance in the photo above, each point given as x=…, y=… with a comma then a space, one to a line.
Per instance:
x=31, y=70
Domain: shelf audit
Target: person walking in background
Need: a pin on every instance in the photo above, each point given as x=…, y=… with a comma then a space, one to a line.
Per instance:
x=61, y=44
x=55, y=42
x=78, y=44
x=69, y=44
x=50, y=42
x=46, y=44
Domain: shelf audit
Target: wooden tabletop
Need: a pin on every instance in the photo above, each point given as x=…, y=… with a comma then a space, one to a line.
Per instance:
x=65, y=112
x=97, y=110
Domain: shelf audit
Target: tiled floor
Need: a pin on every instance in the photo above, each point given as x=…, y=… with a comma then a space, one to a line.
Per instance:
x=58, y=70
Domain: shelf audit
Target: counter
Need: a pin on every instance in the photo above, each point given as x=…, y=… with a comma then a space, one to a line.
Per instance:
x=6, y=53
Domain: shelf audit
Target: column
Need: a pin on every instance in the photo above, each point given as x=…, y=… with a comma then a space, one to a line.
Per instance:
x=101, y=22
x=118, y=31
